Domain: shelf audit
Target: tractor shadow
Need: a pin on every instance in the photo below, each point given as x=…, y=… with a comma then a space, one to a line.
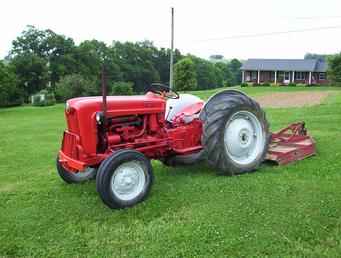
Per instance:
x=174, y=191
x=200, y=168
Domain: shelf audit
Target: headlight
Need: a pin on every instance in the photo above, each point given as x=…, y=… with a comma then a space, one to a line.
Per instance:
x=99, y=117
x=67, y=107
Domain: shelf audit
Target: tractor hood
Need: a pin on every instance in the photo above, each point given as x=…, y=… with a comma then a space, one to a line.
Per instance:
x=80, y=113
x=118, y=105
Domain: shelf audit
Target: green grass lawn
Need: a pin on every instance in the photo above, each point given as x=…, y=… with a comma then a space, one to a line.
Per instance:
x=292, y=211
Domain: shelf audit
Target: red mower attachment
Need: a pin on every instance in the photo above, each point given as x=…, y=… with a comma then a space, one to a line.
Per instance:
x=291, y=144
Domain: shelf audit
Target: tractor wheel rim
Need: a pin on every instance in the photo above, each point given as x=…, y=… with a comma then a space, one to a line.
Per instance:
x=128, y=180
x=244, y=138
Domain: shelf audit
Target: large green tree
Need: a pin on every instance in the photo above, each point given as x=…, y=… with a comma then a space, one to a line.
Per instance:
x=91, y=56
x=234, y=67
x=185, y=75
x=136, y=63
x=315, y=56
x=31, y=40
x=208, y=76
x=9, y=93
x=31, y=73
x=225, y=72
x=57, y=51
x=60, y=56
x=161, y=62
x=334, y=69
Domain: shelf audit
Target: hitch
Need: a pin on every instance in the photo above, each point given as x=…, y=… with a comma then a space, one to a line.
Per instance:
x=291, y=144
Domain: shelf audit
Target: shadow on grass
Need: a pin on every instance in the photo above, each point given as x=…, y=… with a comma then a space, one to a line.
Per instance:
x=175, y=189
x=198, y=169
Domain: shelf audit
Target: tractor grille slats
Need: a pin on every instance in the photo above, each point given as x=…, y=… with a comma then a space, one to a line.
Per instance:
x=69, y=146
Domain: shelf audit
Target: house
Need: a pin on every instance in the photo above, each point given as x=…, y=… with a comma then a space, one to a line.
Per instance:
x=285, y=71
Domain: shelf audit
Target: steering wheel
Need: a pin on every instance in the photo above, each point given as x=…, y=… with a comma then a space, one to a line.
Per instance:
x=163, y=90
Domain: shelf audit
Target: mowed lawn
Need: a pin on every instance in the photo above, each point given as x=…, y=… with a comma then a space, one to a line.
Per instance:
x=292, y=211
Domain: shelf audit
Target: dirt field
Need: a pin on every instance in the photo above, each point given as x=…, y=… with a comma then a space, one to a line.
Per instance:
x=292, y=99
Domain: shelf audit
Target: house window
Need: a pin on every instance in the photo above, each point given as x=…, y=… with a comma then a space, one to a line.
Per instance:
x=248, y=77
x=253, y=75
x=300, y=76
x=322, y=76
x=286, y=76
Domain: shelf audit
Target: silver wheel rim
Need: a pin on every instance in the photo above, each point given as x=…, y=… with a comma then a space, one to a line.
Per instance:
x=244, y=138
x=128, y=180
x=84, y=174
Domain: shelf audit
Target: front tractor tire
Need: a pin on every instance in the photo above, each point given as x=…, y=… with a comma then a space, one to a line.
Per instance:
x=75, y=178
x=124, y=179
x=235, y=133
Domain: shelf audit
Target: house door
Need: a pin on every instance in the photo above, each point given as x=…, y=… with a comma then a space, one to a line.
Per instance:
x=286, y=77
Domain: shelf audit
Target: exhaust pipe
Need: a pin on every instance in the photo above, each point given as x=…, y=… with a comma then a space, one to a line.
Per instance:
x=101, y=117
x=104, y=96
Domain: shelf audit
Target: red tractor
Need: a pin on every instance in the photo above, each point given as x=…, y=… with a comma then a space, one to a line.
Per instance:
x=114, y=138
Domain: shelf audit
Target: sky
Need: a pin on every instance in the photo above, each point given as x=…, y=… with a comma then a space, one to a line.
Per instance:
x=236, y=29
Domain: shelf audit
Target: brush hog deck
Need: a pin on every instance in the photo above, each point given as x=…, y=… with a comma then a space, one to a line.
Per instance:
x=291, y=144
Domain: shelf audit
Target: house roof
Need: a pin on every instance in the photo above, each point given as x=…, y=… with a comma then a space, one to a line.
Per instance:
x=303, y=65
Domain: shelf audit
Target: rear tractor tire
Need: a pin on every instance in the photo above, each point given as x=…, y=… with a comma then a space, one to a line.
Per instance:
x=235, y=133
x=124, y=179
x=75, y=178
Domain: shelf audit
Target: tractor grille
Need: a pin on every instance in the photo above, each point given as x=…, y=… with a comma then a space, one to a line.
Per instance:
x=69, y=146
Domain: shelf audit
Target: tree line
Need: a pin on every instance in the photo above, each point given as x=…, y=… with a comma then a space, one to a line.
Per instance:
x=44, y=60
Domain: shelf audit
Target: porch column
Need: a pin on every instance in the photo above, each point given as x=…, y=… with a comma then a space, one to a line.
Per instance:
x=293, y=77
x=243, y=76
x=258, y=77
x=275, y=77
x=309, y=78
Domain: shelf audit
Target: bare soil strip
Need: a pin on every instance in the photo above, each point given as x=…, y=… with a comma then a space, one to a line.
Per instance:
x=292, y=99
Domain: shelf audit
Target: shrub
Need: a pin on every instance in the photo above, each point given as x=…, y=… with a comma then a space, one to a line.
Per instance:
x=43, y=98
x=266, y=84
x=291, y=84
x=227, y=84
x=185, y=76
x=244, y=84
x=122, y=88
x=255, y=84
x=321, y=85
x=75, y=85
x=301, y=85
